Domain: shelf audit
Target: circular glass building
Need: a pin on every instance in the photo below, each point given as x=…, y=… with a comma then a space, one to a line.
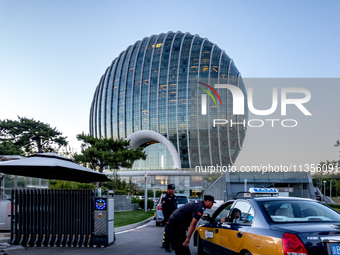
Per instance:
x=161, y=93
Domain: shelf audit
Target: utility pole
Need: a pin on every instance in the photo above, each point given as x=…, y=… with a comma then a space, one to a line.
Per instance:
x=154, y=195
x=330, y=188
x=1, y=178
x=146, y=192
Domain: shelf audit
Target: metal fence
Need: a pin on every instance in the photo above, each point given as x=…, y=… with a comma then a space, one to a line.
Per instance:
x=52, y=217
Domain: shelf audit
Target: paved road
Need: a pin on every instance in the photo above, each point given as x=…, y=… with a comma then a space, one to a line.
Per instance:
x=142, y=240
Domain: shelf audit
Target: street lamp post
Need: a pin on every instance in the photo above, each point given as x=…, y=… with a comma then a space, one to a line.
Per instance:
x=330, y=188
x=1, y=177
x=146, y=193
x=154, y=193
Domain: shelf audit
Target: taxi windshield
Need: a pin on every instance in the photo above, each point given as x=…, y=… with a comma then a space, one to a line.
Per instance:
x=299, y=211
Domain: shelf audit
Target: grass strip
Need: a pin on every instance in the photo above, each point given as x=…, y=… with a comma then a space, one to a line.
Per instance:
x=127, y=218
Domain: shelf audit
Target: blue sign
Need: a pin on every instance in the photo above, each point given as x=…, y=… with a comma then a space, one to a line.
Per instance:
x=263, y=190
x=100, y=204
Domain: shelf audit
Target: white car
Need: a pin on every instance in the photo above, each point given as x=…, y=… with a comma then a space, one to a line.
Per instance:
x=181, y=200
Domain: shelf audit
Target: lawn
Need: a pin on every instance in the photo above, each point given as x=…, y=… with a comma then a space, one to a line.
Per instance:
x=336, y=199
x=126, y=218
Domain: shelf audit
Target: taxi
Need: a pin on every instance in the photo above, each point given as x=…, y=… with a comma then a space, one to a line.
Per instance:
x=261, y=223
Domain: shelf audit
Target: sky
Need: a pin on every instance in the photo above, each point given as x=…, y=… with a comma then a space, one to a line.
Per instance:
x=53, y=53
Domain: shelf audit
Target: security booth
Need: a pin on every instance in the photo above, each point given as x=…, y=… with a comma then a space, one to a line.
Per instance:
x=63, y=218
x=104, y=220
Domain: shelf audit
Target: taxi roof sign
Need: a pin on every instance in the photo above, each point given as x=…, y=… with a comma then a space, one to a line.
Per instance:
x=257, y=192
x=263, y=191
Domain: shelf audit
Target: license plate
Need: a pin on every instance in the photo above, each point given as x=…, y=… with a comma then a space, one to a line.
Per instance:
x=335, y=249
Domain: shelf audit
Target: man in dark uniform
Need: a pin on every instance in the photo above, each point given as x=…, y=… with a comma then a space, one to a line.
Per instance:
x=186, y=217
x=169, y=205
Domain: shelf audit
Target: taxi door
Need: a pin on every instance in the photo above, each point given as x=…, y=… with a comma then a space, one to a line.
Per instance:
x=211, y=232
x=233, y=232
x=211, y=239
x=232, y=236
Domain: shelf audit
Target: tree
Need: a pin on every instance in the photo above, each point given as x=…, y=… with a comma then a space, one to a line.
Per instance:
x=97, y=153
x=30, y=135
x=131, y=187
x=337, y=144
x=8, y=148
x=116, y=183
x=61, y=184
x=211, y=178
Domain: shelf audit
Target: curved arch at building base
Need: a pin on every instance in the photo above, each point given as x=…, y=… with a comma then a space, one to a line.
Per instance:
x=143, y=136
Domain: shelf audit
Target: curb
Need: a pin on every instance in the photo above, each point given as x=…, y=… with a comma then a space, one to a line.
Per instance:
x=132, y=226
x=5, y=247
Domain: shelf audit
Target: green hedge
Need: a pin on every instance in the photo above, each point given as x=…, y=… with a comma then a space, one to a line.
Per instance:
x=135, y=200
x=121, y=192
x=150, y=204
x=337, y=206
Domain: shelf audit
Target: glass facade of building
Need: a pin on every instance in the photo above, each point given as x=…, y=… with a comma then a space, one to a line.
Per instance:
x=186, y=182
x=156, y=84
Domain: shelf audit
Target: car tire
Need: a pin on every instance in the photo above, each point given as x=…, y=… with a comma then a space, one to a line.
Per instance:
x=200, y=250
x=247, y=253
x=158, y=224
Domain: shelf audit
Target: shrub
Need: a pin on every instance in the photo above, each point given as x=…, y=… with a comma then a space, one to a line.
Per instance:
x=120, y=192
x=135, y=200
x=336, y=206
x=150, y=204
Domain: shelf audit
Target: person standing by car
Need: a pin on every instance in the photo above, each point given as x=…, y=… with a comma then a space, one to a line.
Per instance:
x=186, y=217
x=169, y=205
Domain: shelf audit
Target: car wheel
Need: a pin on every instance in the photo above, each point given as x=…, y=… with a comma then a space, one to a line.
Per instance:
x=247, y=253
x=200, y=250
x=158, y=224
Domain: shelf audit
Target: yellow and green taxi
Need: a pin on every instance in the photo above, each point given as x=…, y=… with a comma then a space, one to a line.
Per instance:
x=269, y=225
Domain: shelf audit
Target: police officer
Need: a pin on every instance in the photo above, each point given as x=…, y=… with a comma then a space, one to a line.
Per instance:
x=169, y=205
x=186, y=217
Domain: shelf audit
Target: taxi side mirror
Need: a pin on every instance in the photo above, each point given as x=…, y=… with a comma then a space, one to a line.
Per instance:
x=206, y=216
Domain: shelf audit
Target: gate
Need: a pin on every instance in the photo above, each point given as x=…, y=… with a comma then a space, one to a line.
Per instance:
x=49, y=217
